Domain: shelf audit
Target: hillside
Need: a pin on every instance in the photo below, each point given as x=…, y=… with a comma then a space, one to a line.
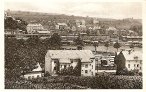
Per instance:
x=46, y=18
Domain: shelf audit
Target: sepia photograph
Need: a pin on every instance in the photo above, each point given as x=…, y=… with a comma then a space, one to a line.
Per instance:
x=52, y=44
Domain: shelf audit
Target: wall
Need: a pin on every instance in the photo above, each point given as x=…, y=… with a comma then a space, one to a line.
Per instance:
x=89, y=67
x=48, y=63
x=33, y=75
x=132, y=63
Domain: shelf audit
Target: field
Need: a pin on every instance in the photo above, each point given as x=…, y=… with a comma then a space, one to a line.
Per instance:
x=74, y=82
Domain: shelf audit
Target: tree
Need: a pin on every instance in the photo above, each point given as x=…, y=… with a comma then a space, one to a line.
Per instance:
x=106, y=45
x=79, y=42
x=55, y=41
x=117, y=46
x=10, y=23
x=120, y=60
x=33, y=41
x=95, y=44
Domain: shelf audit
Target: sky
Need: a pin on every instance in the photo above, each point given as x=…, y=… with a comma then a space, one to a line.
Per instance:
x=91, y=8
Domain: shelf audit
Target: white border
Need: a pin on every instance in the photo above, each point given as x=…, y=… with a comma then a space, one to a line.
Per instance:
x=42, y=90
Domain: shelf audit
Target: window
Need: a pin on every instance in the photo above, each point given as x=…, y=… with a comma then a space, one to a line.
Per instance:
x=136, y=57
x=137, y=65
x=128, y=65
x=71, y=60
x=86, y=66
x=64, y=66
x=92, y=66
x=86, y=71
x=134, y=65
x=54, y=68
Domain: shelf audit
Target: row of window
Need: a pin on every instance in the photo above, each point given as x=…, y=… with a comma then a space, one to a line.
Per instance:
x=134, y=66
x=86, y=65
x=32, y=77
x=86, y=71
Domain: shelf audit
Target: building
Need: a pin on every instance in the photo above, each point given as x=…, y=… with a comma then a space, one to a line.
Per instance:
x=67, y=58
x=35, y=73
x=33, y=28
x=133, y=59
x=105, y=62
x=61, y=26
x=80, y=22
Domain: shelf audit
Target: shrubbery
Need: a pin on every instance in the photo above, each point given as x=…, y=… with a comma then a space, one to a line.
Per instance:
x=108, y=82
x=73, y=82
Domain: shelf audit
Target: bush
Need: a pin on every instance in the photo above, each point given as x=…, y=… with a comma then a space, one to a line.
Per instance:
x=122, y=72
x=108, y=82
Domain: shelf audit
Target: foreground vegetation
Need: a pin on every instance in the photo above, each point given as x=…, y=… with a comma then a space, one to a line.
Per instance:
x=73, y=82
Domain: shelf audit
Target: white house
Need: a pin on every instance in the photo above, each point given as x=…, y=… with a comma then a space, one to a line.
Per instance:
x=68, y=58
x=35, y=73
x=133, y=59
x=32, y=28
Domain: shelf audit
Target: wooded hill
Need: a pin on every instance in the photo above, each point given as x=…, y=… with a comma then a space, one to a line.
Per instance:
x=46, y=18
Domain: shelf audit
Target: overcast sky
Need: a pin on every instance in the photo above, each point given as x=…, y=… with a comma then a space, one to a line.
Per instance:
x=117, y=10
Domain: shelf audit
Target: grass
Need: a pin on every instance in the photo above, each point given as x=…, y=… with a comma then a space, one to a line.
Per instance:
x=74, y=82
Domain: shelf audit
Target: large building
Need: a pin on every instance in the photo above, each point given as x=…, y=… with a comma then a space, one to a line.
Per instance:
x=67, y=58
x=133, y=59
x=33, y=28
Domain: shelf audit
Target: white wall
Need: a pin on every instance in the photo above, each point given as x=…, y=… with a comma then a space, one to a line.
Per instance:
x=91, y=69
x=132, y=63
x=33, y=75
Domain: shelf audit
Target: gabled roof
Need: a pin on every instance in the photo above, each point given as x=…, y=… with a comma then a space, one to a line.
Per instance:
x=66, y=55
x=132, y=55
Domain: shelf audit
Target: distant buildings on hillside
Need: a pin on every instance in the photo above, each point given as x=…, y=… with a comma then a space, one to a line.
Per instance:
x=36, y=28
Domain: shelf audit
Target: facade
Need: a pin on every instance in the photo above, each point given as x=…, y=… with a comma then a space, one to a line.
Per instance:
x=133, y=60
x=105, y=62
x=32, y=28
x=61, y=26
x=67, y=58
x=35, y=73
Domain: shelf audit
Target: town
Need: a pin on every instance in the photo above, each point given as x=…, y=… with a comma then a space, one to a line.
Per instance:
x=39, y=49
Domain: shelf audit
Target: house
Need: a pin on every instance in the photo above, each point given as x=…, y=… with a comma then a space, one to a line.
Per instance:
x=33, y=28
x=80, y=22
x=112, y=31
x=61, y=26
x=133, y=59
x=67, y=58
x=105, y=62
x=35, y=73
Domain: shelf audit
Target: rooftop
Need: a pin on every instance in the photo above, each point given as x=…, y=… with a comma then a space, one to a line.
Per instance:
x=66, y=55
x=132, y=55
